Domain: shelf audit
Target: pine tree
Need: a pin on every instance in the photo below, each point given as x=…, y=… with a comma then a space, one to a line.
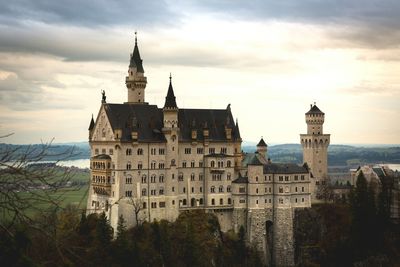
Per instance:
x=121, y=228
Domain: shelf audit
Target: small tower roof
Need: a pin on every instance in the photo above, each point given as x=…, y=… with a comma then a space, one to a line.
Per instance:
x=237, y=131
x=262, y=143
x=170, y=101
x=314, y=110
x=91, y=126
x=136, y=61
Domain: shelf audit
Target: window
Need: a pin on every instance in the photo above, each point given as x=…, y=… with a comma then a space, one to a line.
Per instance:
x=242, y=200
x=280, y=201
x=128, y=193
x=256, y=178
x=287, y=189
x=140, y=151
x=153, y=151
x=200, y=150
x=302, y=199
x=286, y=178
x=144, y=205
x=201, y=201
x=212, y=201
x=192, y=177
x=228, y=164
x=280, y=178
x=221, y=201
x=128, y=180
x=280, y=189
x=223, y=150
x=173, y=189
x=229, y=201
x=96, y=151
x=161, y=151
x=144, y=192
x=144, y=179
x=184, y=164
x=201, y=177
x=192, y=189
x=161, y=191
x=184, y=202
x=296, y=177
x=128, y=151
x=161, y=165
x=212, y=190
x=153, y=205
x=188, y=150
x=192, y=164
x=257, y=201
x=212, y=164
x=180, y=177
x=216, y=177
x=173, y=202
x=201, y=189
x=302, y=189
x=103, y=151
x=302, y=177
x=220, y=164
x=256, y=190
x=228, y=176
x=295, y=189
x=153, y=165
x=211, y=150
x=295, y=200
x=201, y=164
x=162, y=204
x=110, y=151
x=153, y=192
x=184, y=190
x=128, y=166
x=242, y=190
x=221, y=189
x=153, y=178
x=140, y=165
x=161, y=179
x=228, y=188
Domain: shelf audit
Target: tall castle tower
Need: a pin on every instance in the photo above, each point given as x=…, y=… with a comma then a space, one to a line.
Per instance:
x=136, y=81
x=315, y=148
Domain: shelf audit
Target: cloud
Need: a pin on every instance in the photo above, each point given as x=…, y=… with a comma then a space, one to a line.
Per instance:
x=87, y=13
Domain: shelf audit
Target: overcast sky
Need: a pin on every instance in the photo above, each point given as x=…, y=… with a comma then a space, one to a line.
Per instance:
x=269, y=59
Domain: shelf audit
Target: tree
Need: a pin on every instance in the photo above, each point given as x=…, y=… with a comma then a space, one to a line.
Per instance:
x=137, y=205
x=28, y=185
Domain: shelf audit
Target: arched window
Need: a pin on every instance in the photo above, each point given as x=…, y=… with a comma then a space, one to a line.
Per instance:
x=153, y=178
x=184, y=202
x=212, y=189
x=128, y=151
x=212, y=201
x=229, y=201
x=172, y=162
x=144, y=192
x=144, y=179
x=192, y=177
x=228, y=164
x=140, y=151
x=201, y=201
x=212, y=164
x=228, y=176
x=128, y=165
x=221, y=201
x=161, y=179
x=221, y=189
x=228, y=188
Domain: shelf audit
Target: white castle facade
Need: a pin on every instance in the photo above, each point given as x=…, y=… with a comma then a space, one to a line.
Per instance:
x=150, y=163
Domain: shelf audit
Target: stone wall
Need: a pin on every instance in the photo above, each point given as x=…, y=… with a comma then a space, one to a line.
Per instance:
x=283, y=241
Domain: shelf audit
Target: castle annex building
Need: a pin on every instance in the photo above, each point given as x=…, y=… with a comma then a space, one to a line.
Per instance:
x=151, y=163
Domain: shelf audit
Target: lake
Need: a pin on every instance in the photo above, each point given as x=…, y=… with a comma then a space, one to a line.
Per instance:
x=79, y=163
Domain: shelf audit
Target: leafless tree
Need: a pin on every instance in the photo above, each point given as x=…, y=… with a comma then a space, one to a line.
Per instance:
x=28, y=184
x=137, y=205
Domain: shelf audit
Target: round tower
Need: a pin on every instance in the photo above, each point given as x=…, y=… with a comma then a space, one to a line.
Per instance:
x=315, y=148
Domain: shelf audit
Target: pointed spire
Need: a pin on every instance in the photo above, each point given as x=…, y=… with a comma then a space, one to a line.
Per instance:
x=170, y=101
x=237, y=131
x=136, y=61
x=262, y=143
x=91, y=126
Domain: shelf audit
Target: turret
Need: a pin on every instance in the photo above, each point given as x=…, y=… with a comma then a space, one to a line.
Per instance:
x=262, y=148
x=315, y=120
x=136, y=81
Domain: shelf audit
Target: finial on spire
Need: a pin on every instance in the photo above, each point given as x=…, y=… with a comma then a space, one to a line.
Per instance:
x=315, y=103
x=135, y=37
x=170, y=77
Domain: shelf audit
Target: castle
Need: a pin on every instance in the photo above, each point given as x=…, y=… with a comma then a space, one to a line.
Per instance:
x=150, y=163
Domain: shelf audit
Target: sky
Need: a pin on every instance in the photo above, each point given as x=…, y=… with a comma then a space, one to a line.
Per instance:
x=269, y=59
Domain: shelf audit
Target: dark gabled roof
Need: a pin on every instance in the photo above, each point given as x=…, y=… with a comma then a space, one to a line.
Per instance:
x=170, y=100
x=214, y=120
x=91, y=126
x=136, y=61
x=147, y=120
x=314, y=110
x=102, y=156
x=241, y=180
x=262, y=143
x=286, y=168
